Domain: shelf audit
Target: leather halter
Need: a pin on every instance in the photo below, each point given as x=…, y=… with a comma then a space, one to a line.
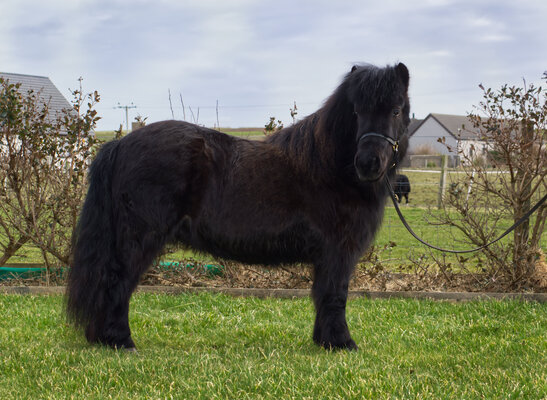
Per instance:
x=394, y=145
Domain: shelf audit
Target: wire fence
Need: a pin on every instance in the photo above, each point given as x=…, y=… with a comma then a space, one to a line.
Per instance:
x=395, y=246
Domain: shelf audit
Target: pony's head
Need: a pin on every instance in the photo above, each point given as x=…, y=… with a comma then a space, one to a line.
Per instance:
x=379, y=97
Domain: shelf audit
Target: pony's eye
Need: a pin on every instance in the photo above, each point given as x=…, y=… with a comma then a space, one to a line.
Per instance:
x=396, y=112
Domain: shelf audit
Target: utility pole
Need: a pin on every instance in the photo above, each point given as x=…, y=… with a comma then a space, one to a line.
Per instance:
x=126, y=107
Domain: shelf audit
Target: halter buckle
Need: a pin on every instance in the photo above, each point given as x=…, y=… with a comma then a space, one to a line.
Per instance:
x=394, y=143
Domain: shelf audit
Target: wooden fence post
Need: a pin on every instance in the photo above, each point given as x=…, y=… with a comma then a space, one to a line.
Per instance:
x=442, y=183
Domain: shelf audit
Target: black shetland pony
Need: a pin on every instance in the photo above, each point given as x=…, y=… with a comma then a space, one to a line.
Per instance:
x=313, y=192
x=401, y=187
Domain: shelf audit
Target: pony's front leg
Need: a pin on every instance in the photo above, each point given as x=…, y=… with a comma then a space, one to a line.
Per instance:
x=330, y=294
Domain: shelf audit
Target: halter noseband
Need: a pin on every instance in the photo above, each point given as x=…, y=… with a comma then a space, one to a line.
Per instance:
x=394, y=145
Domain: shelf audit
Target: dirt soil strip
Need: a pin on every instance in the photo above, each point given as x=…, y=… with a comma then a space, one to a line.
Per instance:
x=295, y=293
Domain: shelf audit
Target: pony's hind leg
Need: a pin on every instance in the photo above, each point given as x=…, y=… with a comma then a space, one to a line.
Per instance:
x=330, y=293
x=134, y=256
x=111, y=326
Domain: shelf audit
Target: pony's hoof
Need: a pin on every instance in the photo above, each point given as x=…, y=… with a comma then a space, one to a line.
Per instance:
x=130, y=350
x=348, y=345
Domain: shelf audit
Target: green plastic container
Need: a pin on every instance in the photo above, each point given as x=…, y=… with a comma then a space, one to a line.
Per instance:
x=35, y=272
x=20, y=273
x=210, y=269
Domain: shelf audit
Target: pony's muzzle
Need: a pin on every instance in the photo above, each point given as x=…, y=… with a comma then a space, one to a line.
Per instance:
x=371, y=162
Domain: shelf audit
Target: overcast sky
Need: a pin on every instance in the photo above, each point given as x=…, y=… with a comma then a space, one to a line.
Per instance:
x=258, y=57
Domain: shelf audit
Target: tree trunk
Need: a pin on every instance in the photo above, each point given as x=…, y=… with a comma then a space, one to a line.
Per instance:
x=11, y=249
x=523, y=265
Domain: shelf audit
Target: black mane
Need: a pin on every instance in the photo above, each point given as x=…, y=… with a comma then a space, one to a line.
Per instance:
x=325, y=140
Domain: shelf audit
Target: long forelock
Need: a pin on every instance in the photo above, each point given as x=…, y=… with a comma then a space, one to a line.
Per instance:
x=371, y=87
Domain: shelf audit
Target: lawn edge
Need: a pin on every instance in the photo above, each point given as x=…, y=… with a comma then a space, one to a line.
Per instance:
x=298, y=293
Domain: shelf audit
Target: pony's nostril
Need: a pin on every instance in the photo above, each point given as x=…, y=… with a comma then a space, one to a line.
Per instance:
x=372, y=164
x=369, y=166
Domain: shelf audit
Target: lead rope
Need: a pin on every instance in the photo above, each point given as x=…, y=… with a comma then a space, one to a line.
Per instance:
x=409, y=229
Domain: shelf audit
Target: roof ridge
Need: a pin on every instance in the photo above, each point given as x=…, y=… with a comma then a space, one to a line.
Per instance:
x=28, y=75
x=451, y=115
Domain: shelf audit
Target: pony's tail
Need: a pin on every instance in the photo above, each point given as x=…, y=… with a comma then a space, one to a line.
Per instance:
x=94, y=245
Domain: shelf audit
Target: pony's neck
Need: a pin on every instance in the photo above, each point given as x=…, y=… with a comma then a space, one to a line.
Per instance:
x=336, y=129
x=337, y=121
x=321, y=142
x=297, y=141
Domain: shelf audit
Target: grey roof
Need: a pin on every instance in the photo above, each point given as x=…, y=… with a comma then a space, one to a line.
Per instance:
x=414, y=124
x=42, y=85
x=459, y=126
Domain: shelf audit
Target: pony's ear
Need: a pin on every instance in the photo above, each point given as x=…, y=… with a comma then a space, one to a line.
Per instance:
x=353, y=68
x=402, y=71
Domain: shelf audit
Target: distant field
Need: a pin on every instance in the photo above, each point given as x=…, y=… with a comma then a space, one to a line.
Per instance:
x=105, y=135
x=239, y=132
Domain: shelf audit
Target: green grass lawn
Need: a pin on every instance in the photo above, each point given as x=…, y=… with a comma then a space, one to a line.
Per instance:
x=218, y=347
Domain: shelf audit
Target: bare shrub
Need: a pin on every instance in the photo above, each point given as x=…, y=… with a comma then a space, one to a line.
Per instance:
x=44, y=160
x=272, y=126
x=512, y=122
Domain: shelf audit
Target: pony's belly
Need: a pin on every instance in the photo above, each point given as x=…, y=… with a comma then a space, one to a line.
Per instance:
x=257, y=246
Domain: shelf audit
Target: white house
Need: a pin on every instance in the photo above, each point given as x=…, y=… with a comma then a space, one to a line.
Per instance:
x=457, y=132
